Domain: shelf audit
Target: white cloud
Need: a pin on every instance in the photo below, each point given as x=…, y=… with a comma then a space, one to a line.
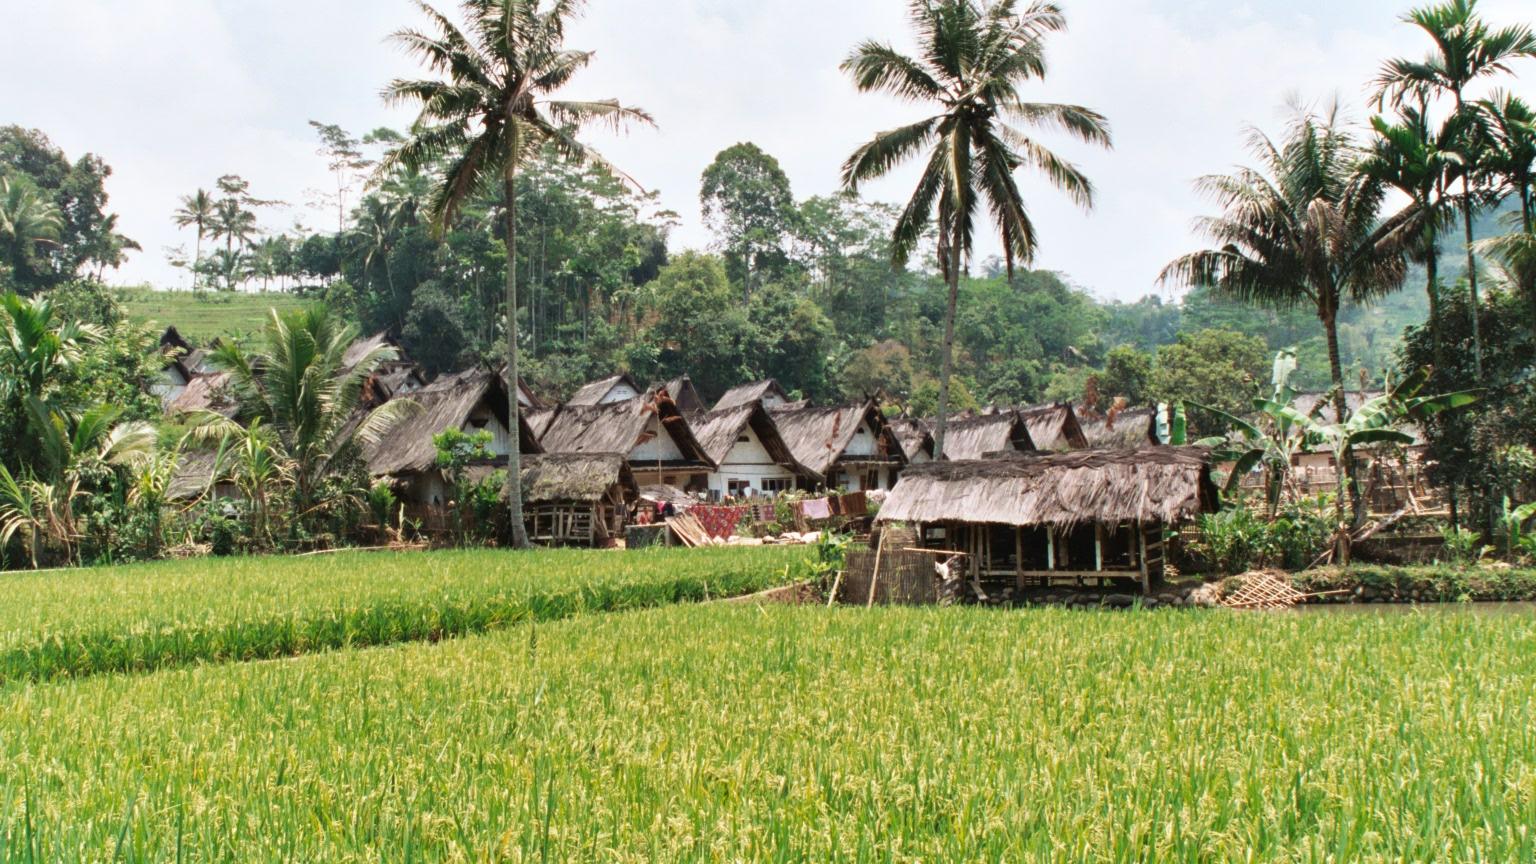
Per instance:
x=174, y=93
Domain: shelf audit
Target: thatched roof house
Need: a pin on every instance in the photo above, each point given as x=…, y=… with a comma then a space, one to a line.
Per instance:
x=750, y=454
x=606, y=391
x=469, y=401
x=1063, y=490
x=208, y=391
x=767, y=392
x=1123, y=429
x=1037, y=517
x=975, y=437
x=554, y=478
x=915, y=437
x=681, y=391
x=853, y=446
x=1054, y=427
x=652, y=433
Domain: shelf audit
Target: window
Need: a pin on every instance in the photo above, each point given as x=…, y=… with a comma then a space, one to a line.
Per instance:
x=737, y=488
x=743, y=439
x=777, y=485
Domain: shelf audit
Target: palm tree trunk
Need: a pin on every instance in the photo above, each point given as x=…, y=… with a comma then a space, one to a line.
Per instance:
x=514, y=411
x=197, y=257
x=1345, y=467
x=948, y=366
x=1432, y=288
x=1477, y=330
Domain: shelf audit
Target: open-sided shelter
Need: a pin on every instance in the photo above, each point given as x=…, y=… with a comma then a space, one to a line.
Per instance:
x=576, y=499
x=1035, y=518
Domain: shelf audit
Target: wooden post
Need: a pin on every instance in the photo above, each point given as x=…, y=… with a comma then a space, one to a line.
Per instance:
x=1146, y=574
x=1098, y=550
x=874, y=580
x=1050, y=548
x=1018, y=556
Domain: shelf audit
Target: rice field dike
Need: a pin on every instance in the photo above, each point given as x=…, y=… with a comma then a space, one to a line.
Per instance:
x=74, y=623
x=739, y=733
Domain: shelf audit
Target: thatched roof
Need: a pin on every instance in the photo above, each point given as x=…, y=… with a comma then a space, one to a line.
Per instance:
x=1054, y=427
x=757, y=391
x=1119, y=430
x=975, y=437
x=575, y=477
x=538, y=420
x=206, y=392
x=596, y=392
x=1152, y=484
x=681, y=391
x=819, y=437
x=718, y=431
x=914, y=435
x=446, y=404
x=193, y=475
x=619, y=427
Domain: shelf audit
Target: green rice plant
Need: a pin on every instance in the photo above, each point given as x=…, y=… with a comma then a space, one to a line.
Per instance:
x=147, y=617
x=731, y=733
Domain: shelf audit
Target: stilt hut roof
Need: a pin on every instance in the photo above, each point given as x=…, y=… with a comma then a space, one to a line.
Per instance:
x=1063, y=490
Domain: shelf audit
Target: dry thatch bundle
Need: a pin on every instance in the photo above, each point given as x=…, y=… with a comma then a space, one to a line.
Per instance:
x=1063, y=490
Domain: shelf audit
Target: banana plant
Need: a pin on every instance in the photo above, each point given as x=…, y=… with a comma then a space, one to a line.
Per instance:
x=1516, y=540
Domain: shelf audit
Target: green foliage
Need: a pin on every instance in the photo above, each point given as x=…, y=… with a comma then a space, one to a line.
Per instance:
x=136, y=619
x=1239, y=539
x=746, y=201
x=1215, y=368
x=573, y=741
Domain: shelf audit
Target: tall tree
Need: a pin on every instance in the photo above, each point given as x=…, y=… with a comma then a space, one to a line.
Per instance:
x=197, y=212
x=1305, y=228
x=747, y=202
x=1511, y=157
x=974, y=57
x=1466, y=49
x=28, y=223
x=1409, y=156
x=344, y=157
x=491, y=108
x=299, y=383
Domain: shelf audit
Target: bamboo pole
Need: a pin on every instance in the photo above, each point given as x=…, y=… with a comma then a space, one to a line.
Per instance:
x=874, y=580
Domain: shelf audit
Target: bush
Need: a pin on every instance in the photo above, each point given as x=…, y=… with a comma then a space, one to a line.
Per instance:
x=1239, y=539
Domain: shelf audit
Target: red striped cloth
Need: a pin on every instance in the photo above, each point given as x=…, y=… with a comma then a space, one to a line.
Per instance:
x=719, y=521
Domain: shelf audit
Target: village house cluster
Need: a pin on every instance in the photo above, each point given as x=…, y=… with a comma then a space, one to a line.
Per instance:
x=1028, y=494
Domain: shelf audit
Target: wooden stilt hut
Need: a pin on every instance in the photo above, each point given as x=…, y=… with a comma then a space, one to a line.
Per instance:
x=577, y=499
x=1084, y=517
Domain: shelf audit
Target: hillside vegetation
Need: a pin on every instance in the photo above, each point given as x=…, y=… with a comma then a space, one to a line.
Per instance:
x=204, y=315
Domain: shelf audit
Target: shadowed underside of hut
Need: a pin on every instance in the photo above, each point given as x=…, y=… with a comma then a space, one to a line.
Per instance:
x=1037, y=519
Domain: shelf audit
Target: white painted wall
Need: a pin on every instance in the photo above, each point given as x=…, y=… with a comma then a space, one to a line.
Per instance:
x=621, y=392
x=661, y=447
x=863, y=443
x=748, y=460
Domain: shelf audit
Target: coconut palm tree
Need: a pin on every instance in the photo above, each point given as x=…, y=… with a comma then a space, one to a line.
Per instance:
x=491, y=107
x=196, y=211
x=28, y=221
x=1408, y=155
x=1511, y=157
x=233, y=222
x=1303, y=229
x=974, y=57
x=35, y=347
x=1466, y=50
x=301, y=386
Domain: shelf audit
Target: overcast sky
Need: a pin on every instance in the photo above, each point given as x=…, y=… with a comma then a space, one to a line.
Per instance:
x=174, y=93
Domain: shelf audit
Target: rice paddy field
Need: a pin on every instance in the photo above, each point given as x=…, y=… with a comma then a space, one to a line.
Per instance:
x=134, y=619
x=202, y=317
x=738, y=733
